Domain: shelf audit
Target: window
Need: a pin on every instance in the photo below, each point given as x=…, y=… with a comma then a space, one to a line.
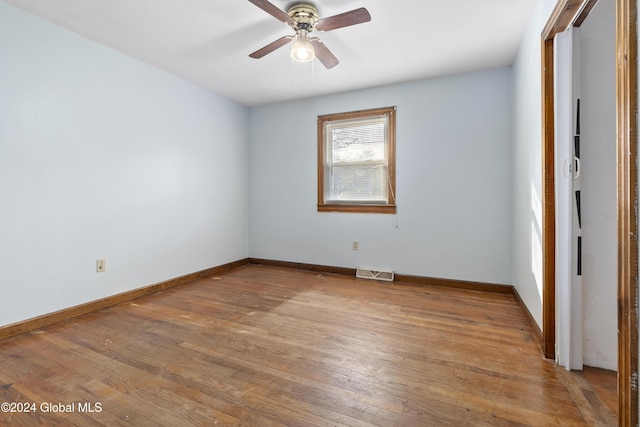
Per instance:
x=356, y=161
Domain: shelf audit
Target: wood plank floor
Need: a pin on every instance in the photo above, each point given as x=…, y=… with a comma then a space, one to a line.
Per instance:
x=268, y=346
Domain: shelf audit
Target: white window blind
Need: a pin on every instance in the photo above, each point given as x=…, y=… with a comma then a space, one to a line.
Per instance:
x=356, y=163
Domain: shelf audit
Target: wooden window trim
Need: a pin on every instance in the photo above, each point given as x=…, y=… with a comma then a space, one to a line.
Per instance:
x=388, y=208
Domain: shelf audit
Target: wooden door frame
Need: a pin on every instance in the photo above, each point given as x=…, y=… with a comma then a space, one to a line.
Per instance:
x=627, y=154
x=565, y=14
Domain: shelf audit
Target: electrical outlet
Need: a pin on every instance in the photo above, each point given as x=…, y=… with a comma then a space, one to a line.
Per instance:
x=101, y=265
x=356, y=245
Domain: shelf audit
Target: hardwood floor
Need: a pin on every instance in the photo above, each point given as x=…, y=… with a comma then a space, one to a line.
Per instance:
x=268, y=346
x=605, y=384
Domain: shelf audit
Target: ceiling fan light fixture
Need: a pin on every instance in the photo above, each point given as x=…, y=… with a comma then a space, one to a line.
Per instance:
x=304, y=18
x=302, y=50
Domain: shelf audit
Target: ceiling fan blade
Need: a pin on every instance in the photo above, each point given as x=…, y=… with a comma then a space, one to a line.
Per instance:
x=272, y=10
x=271, y=47
x=357, y=16
x=323, y=53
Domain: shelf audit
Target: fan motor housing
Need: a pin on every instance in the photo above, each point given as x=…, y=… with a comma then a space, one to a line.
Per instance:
x=305, y=15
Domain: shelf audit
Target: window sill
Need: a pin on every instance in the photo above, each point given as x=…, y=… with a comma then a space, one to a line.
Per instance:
x=377, y=209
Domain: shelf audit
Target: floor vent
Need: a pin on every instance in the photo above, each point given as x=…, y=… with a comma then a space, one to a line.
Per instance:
x=366, y=273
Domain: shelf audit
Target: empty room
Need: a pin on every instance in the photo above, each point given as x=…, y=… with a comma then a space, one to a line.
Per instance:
x=355, y=213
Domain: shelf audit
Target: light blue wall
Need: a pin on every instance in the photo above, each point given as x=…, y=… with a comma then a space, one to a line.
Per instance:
x=527, y=164
x=102, y=156
x=454, y=182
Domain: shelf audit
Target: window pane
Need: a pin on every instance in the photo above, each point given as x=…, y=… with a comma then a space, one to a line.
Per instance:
x=358, y=143
x=361, y=183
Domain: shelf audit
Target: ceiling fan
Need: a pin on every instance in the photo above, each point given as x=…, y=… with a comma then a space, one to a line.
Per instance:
x=304, y=18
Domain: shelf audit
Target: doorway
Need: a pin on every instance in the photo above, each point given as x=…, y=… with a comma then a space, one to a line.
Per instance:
x=566, y=14
x=594, y=195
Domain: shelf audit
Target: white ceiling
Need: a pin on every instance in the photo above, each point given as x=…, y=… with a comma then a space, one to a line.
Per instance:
x=208, y=41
